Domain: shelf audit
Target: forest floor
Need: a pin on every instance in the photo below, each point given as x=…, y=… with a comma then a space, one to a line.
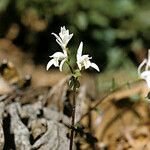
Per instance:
x=34, y=110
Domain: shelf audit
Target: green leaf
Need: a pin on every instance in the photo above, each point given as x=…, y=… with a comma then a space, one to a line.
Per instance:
x=74, y=84
x=77, y=73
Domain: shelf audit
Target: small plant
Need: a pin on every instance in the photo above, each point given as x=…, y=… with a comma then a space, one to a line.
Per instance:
x=146, y=73
x=83, y=61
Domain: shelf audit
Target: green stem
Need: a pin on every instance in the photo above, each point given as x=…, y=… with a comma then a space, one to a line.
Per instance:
x=70, y=67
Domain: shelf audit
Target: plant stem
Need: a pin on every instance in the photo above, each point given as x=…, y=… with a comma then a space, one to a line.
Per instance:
x=73, y=119
x=73, y=109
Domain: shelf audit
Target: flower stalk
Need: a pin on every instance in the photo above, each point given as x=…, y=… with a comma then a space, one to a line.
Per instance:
x=82, y=61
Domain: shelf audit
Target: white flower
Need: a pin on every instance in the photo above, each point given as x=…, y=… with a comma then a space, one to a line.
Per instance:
x=146, y=73
x=58, y=60
x=63, y=38
x=84, y=60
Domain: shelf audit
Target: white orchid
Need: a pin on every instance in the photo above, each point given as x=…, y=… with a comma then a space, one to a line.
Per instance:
x=146, y=73
x=84, y=60
x=63, y=38
x=58, y=60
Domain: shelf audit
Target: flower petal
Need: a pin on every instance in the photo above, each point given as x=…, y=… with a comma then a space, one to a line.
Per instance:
x=95, y=66
x=86, y=63
x=63, y=38
x=79, y=65
x=63, y=32
x=50, y=63
x=85, y=57
x=79, y=52
x=145, y=74
x=59, y=42
x=148, y=61
x=148, y=81
x=57, y=38
x=56, y=62
x=70, y=36
x=141, y=65
x=61, y=64
x=58, y=54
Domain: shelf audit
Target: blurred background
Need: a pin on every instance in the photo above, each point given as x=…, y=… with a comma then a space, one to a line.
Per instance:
x=114, y=32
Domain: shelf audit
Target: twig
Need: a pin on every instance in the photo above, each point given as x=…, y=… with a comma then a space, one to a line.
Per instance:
x=113, y=94
x=92, y=108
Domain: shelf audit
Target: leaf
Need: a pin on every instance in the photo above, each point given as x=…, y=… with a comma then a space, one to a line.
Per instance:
x=54, y=138
x=77, y=73
x=74, y=84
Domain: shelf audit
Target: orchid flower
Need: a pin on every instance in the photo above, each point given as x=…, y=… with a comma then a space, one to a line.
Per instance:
x=146, y=73
x=58, y=60
x=84, y=60
x=63, y=38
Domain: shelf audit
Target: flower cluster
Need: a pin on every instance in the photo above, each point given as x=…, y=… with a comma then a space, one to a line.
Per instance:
x=145, y=74
x=84, y=60
x=59, y=58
